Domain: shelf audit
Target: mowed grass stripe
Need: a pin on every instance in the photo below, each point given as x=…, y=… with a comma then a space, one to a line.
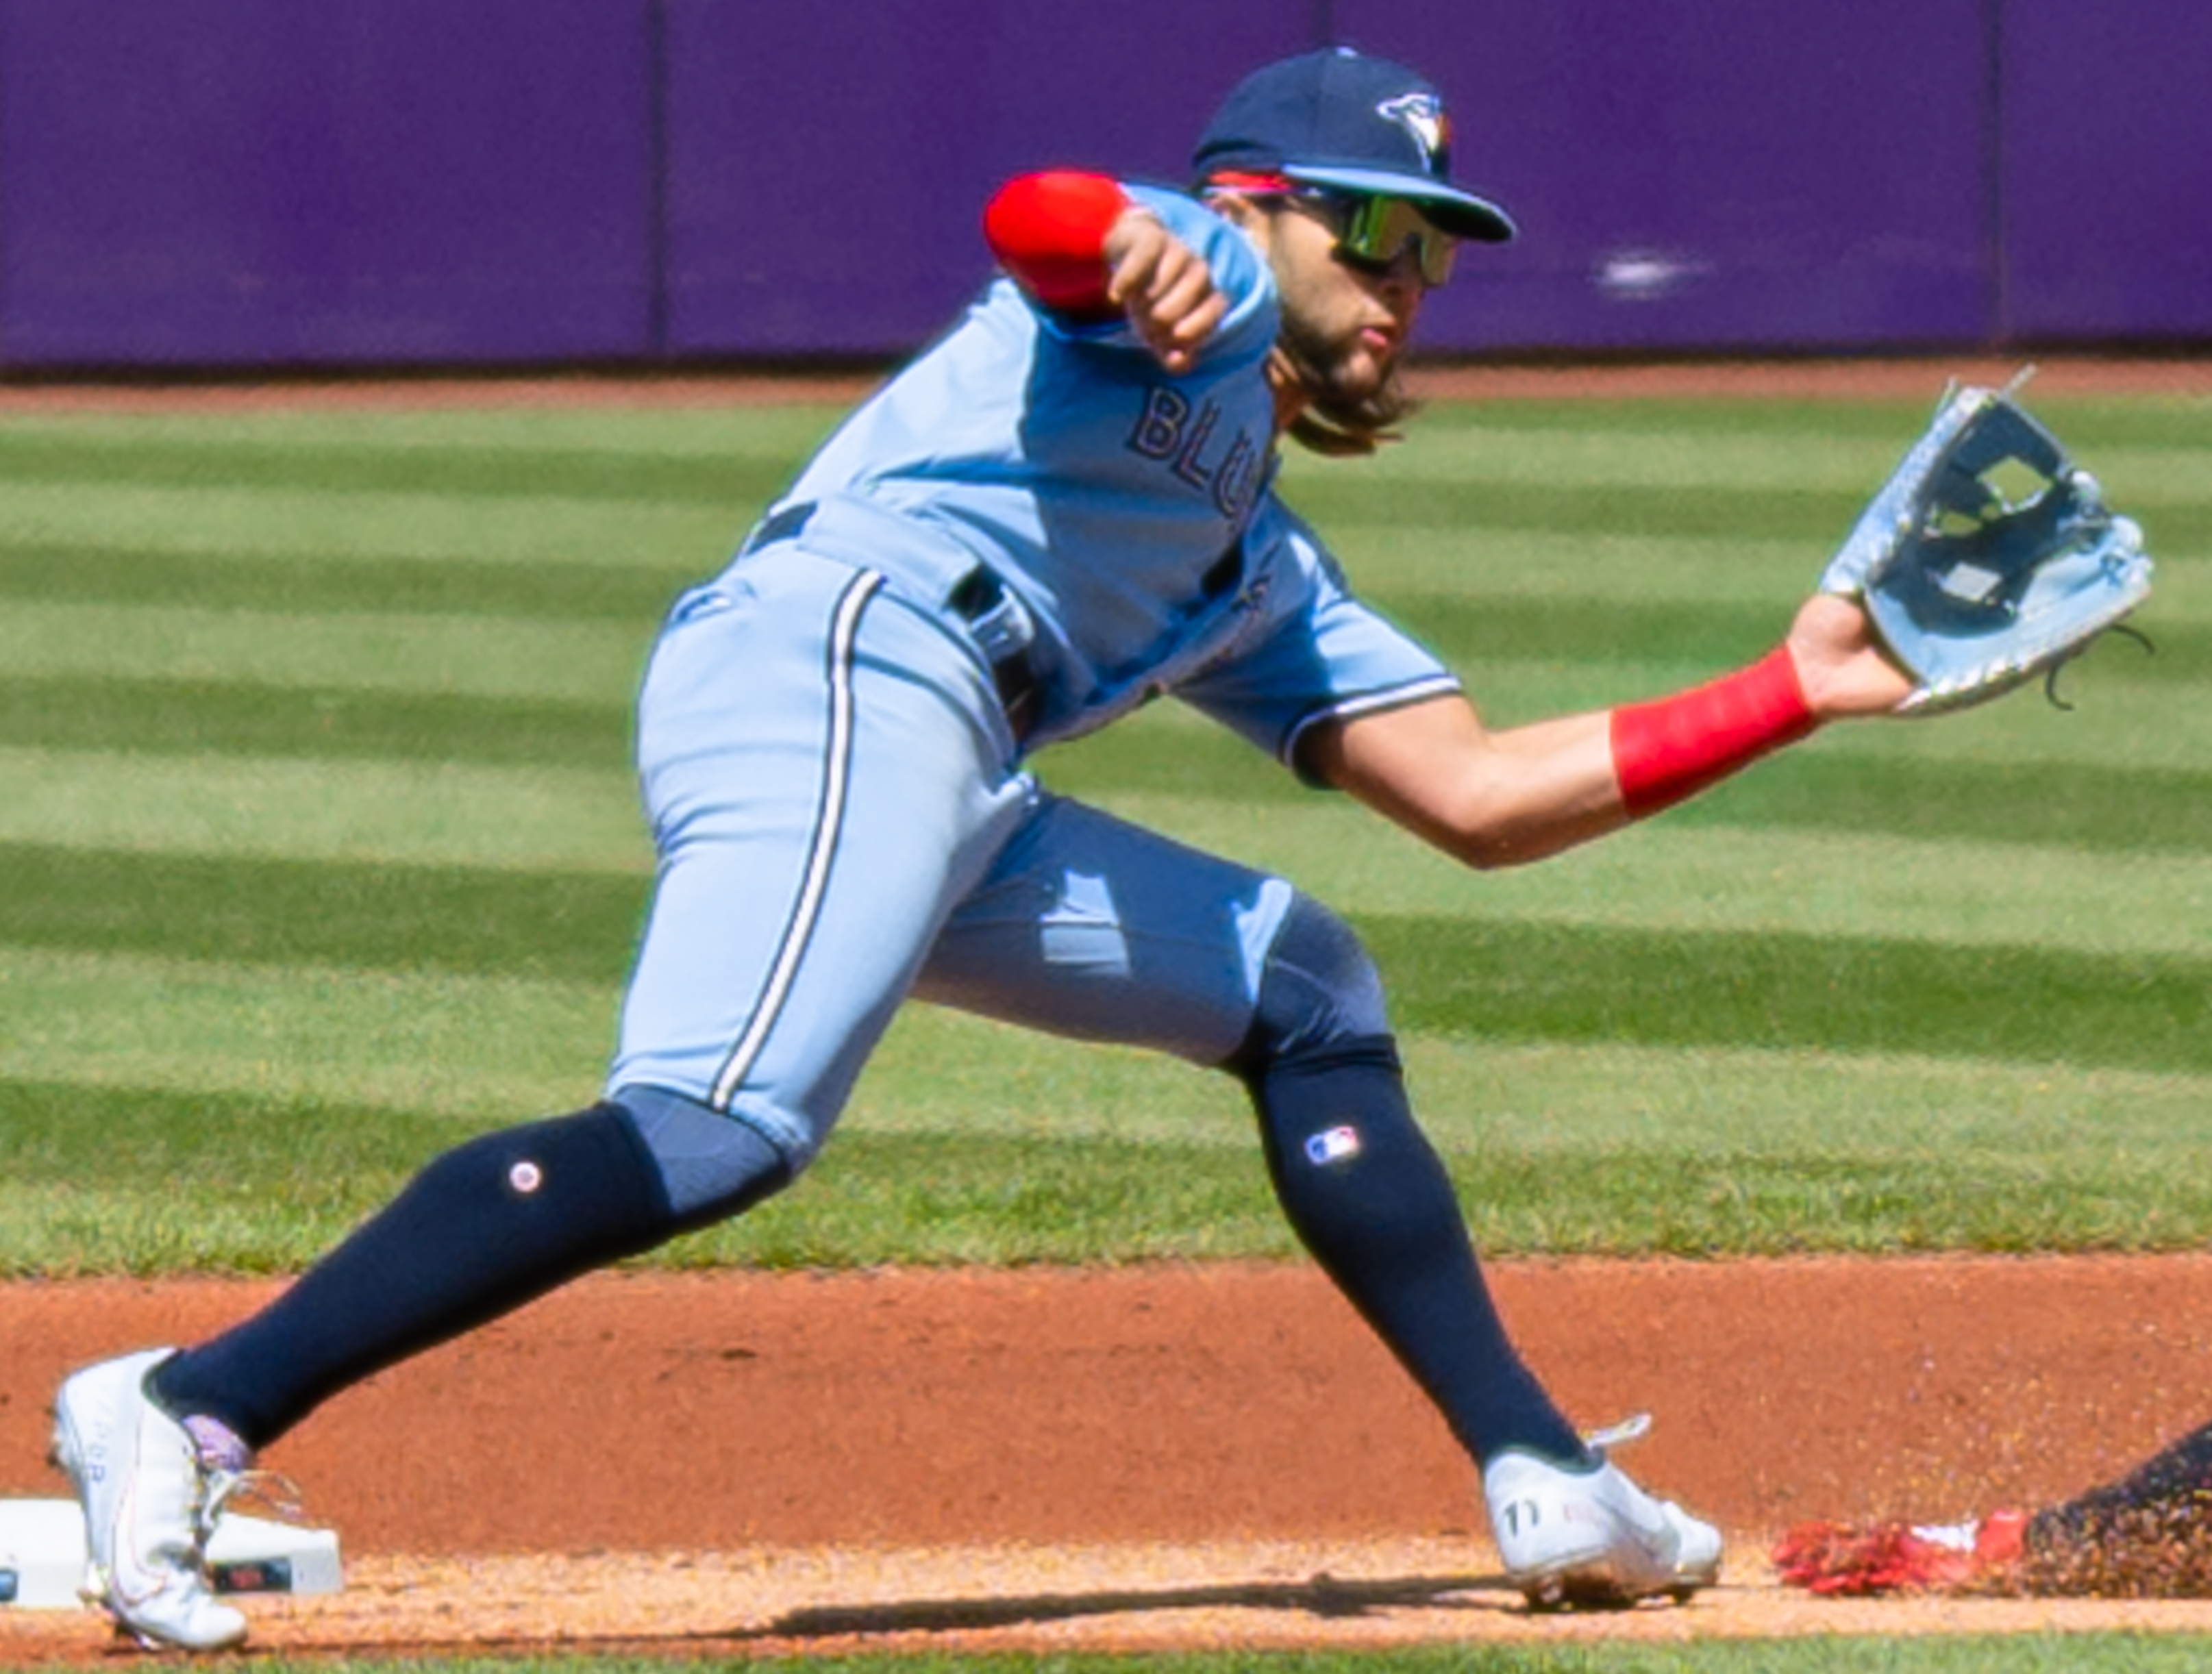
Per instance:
x=1535, y=981
x=1666, y=878
x=189, y=463
x=2085, y=807
x=2138, y=447
x=1468, y=633
x=310, y=583
x=1798, y=460
x=551, y=817
x=511, y=658
x=543, y=926
x=210, y=718
x=1496, y=980
x=1403, y=567
x=235, y=1185
x=2084, y=420
x=1820, y=519
x=1450, y=503
x=471, y=655
x=672, y=424
x=538, y=531
x=480, y=1047
x=451, y=1044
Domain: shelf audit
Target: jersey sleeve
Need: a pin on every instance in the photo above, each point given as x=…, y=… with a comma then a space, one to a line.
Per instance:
x=1314, y=653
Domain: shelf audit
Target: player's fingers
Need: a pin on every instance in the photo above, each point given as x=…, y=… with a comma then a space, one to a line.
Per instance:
x=1195, y=322
x=1192, y=277
x=1180, y=288
x=1166, y=290
x=1141, y=244
x=1174, y=267
x=1175, y=342
x=1186, y=311
x=1177, y=347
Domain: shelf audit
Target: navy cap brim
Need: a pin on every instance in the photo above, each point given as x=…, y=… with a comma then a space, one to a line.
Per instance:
x=1461, y=213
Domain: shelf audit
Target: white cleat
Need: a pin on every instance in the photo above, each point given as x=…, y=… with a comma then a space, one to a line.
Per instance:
x=149, y=1504
x=1593, y=1537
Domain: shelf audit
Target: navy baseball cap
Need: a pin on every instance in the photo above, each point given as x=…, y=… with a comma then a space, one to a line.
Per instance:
x=1336, y=118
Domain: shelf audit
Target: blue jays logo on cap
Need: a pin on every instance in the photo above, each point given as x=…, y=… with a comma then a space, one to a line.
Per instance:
x=1422, y=115
x=1338, y=118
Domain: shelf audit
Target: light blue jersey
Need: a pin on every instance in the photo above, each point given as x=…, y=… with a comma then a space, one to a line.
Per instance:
x=831, y=756
x=1133, y=513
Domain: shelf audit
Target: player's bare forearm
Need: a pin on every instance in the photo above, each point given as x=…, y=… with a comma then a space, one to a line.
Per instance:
x=1503, y=798
x=1487, y=799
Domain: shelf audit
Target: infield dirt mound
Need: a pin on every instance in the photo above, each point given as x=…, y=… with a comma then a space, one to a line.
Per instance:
x=1146, y=1456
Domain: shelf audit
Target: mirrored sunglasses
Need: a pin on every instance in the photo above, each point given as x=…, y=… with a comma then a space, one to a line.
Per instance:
x=1372, y=233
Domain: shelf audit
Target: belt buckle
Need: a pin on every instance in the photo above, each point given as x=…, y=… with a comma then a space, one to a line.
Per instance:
x=998, y=621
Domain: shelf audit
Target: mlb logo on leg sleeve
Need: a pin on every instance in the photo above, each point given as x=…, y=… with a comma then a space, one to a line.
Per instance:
x=1333, y=1145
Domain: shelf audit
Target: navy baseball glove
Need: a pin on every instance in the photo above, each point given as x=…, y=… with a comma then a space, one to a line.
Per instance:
x=1988, y=557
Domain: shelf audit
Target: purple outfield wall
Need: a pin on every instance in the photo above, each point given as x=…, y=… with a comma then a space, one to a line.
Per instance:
x=268, y=181
x=2104, y=156
x=1733, y=173
x=829, y=164
x=263, y=183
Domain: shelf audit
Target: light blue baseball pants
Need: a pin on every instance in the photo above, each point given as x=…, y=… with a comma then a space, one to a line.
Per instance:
x=830, y=783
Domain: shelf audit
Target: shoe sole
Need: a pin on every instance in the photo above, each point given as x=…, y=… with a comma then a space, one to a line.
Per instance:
x=1585, y=1583
x=1558, y=1594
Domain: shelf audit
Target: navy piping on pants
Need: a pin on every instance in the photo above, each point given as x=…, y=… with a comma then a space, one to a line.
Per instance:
x=836, y=777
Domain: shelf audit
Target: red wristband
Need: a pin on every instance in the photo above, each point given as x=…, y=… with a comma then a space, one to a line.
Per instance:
x=1673, y=748
x=1049, y=232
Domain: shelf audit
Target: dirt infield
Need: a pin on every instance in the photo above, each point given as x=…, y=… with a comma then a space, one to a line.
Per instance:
x=1157, y=1456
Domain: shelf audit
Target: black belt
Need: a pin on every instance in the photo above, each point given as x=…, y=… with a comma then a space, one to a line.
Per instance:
x=975, y=598
x=977, y=595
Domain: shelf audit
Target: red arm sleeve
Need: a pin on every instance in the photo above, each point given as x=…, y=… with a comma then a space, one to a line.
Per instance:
x=1048, y=231
x=1673, y=748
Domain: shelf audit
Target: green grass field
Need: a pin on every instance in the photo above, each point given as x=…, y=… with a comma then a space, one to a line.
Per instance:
x=321, y=851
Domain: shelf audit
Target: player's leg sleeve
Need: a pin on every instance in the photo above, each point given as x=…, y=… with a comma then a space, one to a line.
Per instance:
x=1369, y=1196
x=823, y=790
x=489, y=1225
x=1094, y=929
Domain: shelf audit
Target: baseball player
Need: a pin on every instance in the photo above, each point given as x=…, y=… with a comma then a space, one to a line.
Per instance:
x=2143, y=1535
x=1062, y=509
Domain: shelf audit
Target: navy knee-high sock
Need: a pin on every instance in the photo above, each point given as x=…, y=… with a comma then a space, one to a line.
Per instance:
x=487, y=1227
x=1370, y=1198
